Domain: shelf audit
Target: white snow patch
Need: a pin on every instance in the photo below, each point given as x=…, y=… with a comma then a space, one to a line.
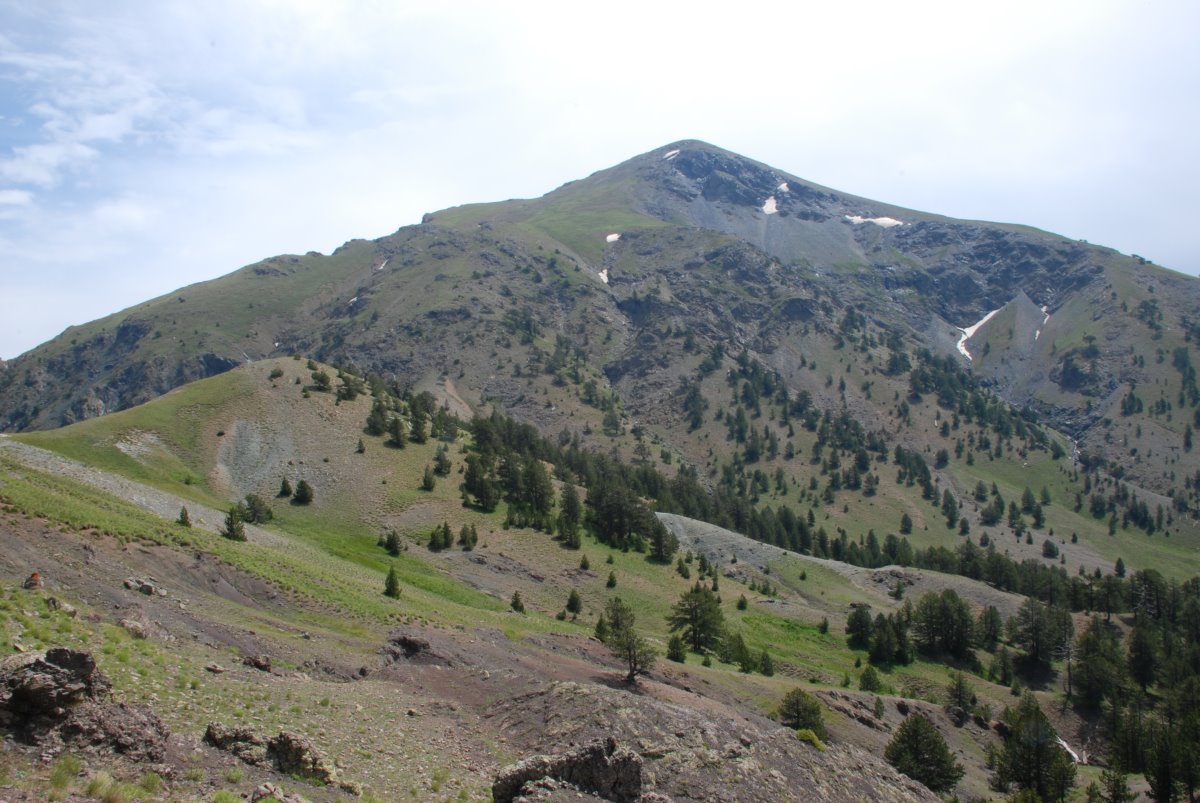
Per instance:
x=276, y=344
x=1074, y=756
x=769, y=207
x=384, y=265
x=351, y=301
x=604, y=275
x=783, y=187
x=671, y=154
x=612, y=238
x=1046, y=313
x=883, y=222
x=971, y=330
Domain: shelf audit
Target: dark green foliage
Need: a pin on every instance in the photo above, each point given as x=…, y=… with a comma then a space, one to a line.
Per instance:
x=858, y=627
x=396, y=430
x=184, y=519
x=698, y=616
x=428, y=481
x=765, y=664
x=418, y=426
x=285, y=489
x=321, y=382
x=570, y=514
x=989, y=628
x=391, y=586
x=479, y=483
x=468, y=536
x=1031, y=758
x=377, y=420
x=942, y=624
x=869, y=680
x=959, y=692
x=256, y=510
x=602, y=629
x=742, y=603
x=441, y=538
x=625, y=642
x=676, y=650
x=574, y=603
x=516, y=604
x=304, y=493
x=584, y=563
x=612, y=580
x=1040, y=629
x=920, y=752
x=1099, y=665
x=441, y=461
x=391, y=542
x=234, y=530
x=799, y=709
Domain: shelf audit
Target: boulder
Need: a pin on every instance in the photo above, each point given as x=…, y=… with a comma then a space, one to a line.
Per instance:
x=46, y=684
x=601, y=768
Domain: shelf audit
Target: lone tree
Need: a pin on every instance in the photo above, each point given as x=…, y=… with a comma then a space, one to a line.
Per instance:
x=799, y=709
x=304, y=493
x=391, y=586
x=698, y=615
x=920, y=752
x=574, y=603
x=516, y=604
x=184, y=519
x=234, y=529
x=625, y=642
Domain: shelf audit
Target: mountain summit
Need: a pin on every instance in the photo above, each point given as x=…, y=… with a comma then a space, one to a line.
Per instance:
x=689, y=245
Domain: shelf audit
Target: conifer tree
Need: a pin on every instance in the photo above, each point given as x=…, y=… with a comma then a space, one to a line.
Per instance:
x=391, y=586
x=234, y=530
x=285, y=489
x=920, y=752
x=612, y=580
x=516, y=604
x=184, y=519
x=427, y=480
x=574, y=603
x=396, y=430
x=676, y=651
x=304, y=493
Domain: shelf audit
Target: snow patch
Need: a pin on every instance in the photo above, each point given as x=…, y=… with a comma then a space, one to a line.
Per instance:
x=783, y=187
x=671, y=154
x=351, y=301
x=612, y=238
x=883, y=222
x=969, y=331
x=769, y=207
x=603, y=275
x=1046, y=313
x=384, y=265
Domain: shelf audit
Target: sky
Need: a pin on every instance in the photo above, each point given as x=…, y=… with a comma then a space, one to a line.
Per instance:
x=145, y=146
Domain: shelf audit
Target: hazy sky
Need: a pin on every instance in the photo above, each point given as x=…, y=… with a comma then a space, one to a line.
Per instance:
x=148, y=145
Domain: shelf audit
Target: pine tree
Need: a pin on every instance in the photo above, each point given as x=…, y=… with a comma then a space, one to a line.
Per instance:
x=516, y=604
x=391, y=542
x=584, y=565
x=391, y=586
x=574, y=603
x=285, y=489
x=869, y=680
x=362, y=447
x=184, y=519
x=396, y=429
x=698, y=616
x=799, y=710
x=765, y=664
x=234, y=530
x=304, y=493
x=625, y=642
x=676, y=651
x=612, y=580
x=602, y=629
x=427, y=480
x=1031, y=757
x=920, y=752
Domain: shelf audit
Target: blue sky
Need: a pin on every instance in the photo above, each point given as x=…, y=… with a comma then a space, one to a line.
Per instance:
x=148, y=145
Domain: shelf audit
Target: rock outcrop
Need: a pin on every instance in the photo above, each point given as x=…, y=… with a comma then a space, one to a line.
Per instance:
x=602, y=768
x=288, y=753
x=58, y=697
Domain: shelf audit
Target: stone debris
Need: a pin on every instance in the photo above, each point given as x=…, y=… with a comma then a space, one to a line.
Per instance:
x=271, y=793
x=288, y=753
x=260, y=662
x=602, y=768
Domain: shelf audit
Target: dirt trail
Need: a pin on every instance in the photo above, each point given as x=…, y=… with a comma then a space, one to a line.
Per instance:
x=160, y=503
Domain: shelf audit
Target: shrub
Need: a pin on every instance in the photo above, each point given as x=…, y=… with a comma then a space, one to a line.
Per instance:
x=801, y=710
x=806, y=735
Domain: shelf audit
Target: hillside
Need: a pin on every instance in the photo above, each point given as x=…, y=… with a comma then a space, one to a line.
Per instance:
x=687, y=377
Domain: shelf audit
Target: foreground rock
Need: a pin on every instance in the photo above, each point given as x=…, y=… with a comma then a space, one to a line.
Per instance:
x=57, y=698
x=603, y=768
x=288, y=753
x=701, y=752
